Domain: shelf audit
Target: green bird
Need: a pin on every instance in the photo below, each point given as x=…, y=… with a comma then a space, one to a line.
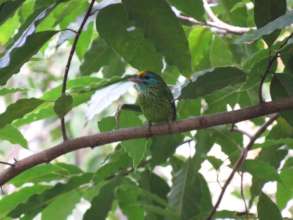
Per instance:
x=154, y=97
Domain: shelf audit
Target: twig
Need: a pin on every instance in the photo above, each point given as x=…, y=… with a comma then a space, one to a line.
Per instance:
x=179, y=126
x=222, y=29
x=67, y=67
x=242, y=191
x=6, y=163
x=216, y=22
x=240, y=161
x=270, y=63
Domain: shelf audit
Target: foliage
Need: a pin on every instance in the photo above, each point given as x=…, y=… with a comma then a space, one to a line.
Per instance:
x=214, y=67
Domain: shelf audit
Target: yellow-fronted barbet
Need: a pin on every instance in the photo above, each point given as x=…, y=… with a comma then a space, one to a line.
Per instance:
x=154, y=97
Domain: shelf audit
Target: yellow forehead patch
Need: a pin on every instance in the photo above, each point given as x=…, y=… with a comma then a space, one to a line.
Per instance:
x=141, y=74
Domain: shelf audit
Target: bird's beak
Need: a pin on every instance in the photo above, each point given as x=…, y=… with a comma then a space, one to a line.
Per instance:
x=135, y=79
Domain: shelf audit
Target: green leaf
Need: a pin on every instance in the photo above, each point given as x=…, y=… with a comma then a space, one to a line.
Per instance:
x=281, y=87
x=199, y=40
x=11, y=201
x=107, y=124
x=273, y=142
x=13, y=135
x=216, y=163
x=118, y=161
x=136, y=149
x=266, y=11
x=102, y=203
x=220, y=52
x=212, y=80
x=7, y=9
x=98, y=56
x=62, y=206
x=261, y=170
x=37, y=203
x=45, y=173
x=63, y=105
x=191, y=8
x=285, y=188
x=161, y=26
x=18, y=110
x=15, y=57
x=267, y=209
x=279, y=23
x=189, y=194
x=154, y=184
x=5, y=91
x=128, y=200
x=162, y=147
x=128, y=41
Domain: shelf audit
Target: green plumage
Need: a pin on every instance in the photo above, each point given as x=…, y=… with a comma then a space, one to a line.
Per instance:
x=154, y=97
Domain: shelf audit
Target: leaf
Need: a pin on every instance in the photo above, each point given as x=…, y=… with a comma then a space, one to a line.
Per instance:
x=118, y=161
x=37, y=203
x=220, y=52
x=273, y=142
x=279, y=23
x=128, y=199
x=128, y=41
x=98, y=56
x=16, y=56
x=7, y=9
x=266, y=209
x=136, y=149
x=266, y=11
x=155, y=184
x=11, y=201
x=199, y=40
x=212, y=80
x=62, y=206
x=216, y=163
x=162, y=147
x=107, y=124
x=18, y=110
x=45, y=173
x=5, y=91
x=191, y=8
x=281, y=86
x=13, y=135
x=102, y=203
x=261, y=170
x=284, y=189
x=189, y=194
x=63, y=105
x=161, y=26
x=104, y=97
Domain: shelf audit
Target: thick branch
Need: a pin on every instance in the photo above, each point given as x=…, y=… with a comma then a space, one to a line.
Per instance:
x=140, y=132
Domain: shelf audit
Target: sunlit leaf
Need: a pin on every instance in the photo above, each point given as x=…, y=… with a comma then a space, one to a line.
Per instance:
x=18, y=109
x=13, y=135
x=267, y=209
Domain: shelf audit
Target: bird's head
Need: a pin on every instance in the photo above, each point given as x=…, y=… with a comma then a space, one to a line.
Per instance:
x=146, y=79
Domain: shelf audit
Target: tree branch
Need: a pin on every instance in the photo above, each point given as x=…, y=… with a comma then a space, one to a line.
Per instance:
x=270, y=63
x=239, y=163
x=67, y=67
x=140, y=132
x=216, y=22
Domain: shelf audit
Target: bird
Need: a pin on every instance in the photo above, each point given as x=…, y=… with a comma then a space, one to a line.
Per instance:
x=154, y=97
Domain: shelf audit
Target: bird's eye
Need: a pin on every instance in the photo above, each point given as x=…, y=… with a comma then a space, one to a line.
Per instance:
x=146, y=77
